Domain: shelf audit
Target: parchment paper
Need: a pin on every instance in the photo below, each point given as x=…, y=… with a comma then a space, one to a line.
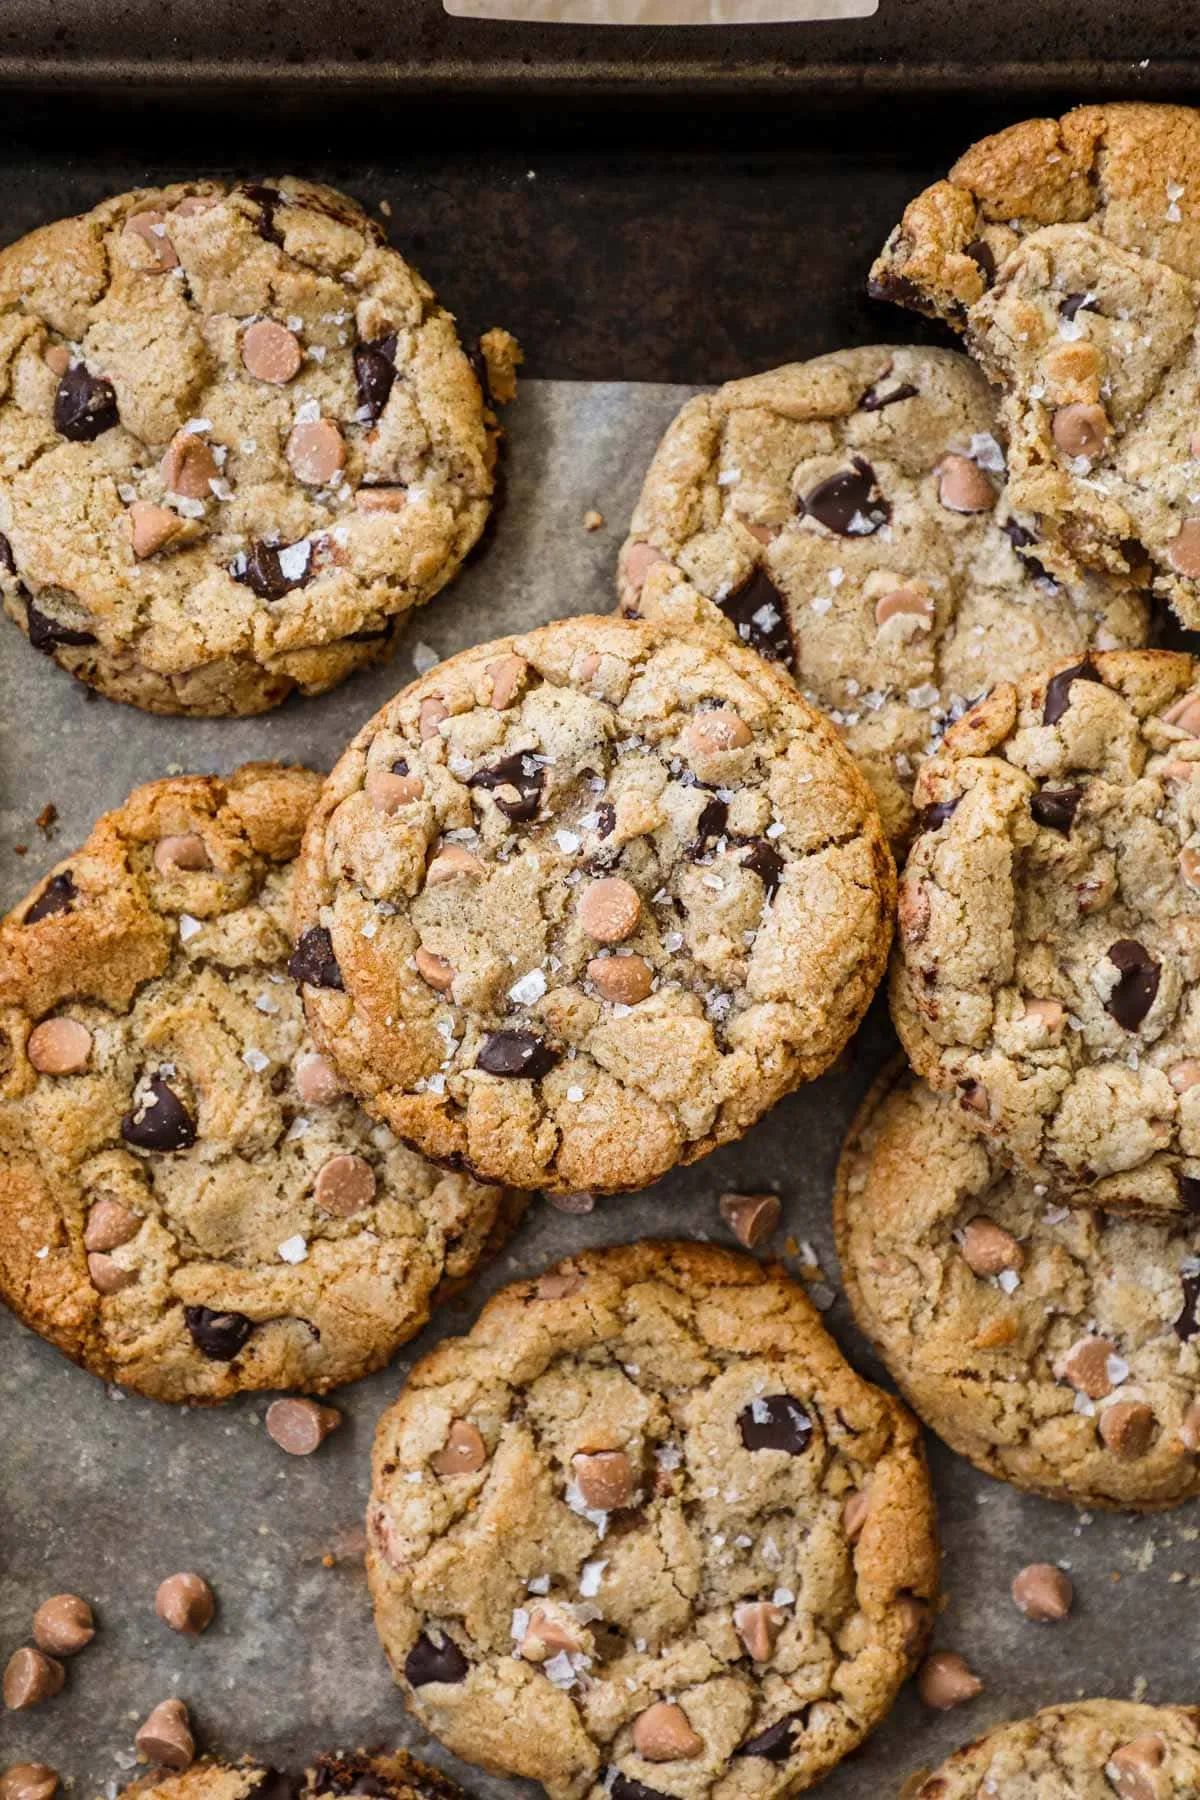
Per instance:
x=105, y=1495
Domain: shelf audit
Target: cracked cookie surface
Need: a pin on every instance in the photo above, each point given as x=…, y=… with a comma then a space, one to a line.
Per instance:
x=396, y=1777
x=582, y=904
x=238, y=439
x=1048, y=959
x=643, y=1531
x=1056, y=1347
x=190, y=1202
x=1087, y=1750
x=848, y=516
x=1068, y=251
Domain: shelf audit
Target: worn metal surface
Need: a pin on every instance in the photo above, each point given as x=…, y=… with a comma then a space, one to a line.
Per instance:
x=106, y=1495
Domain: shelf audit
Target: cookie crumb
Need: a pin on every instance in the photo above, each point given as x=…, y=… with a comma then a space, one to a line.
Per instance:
x=592, y=520
x=45, y=819
x=502, y=357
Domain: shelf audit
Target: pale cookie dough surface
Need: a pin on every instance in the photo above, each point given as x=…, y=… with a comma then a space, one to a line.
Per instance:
x=238, y=439
x=582, y=904
x=1048, y=963
x=849, y=518
x=397, y=1777
x=1088, y=1750
x=978, y=1289
x=190, y=1202
x=1068, y=251
x=643, y=1532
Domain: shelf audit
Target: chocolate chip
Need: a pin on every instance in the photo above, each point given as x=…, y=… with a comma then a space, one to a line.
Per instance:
x=313, y=962
x=775, y=1422
x=1187, y=1324
x=427, y=1662
x=775, y=1743
x=606, y=819
x=8, y=561
x=1189, y=1191
x=275, y=1785
x=159, y=1121
x=58, y=896
x=763, y=860
x=520, y=772
x=1056, y=807
x=262, y=571
x=1133, y=995
x=937, y=814
x=1020, y=537
x=714, y=816
x=375, y=373
x=1058, y=689
x=217, y=1335
x=516, y=1053
x=981, y=255
x=46, y=634
x=844, y=498
x=875, y=401
x=84, y=406
x=1077, y=303
x=268, y=200
x=624, y=1787
x=901, y=290
x=759, y=613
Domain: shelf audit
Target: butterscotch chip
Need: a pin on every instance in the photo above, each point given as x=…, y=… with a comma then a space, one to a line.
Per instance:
x=605, y=1479
x=1128, y=1427
x=434, y=969
x=464, y=1451
x=345, y=1186
x=63, y=1625
x=300, y=1426
x=623, y=980
x=388, y=792
x=57, y=357
x=1080, y=430
x=186, y=850
x=381, y=499
x=963, y=487
x=716, y=731
x=507, y=678
x=152, y=527
x=946, y=1680
x=189, y=466
x=855, y=1514
x=166, y=1736
x=549, y=1632
x=904, y=603
x=751, y=1217
x=1086, y=1366
x=988, y=1248
x=28, y=1781
x=758, y=1623
x=451, y=863
x=151, y=227
x=59, y=1047
x=609, y=910
x=271, y=352
x=1043, y=1592
x=663, y=1733
x=316, y=452
x=107, y=1275
x=1183, y=550
x=186, y=1603
x=1133, y=1768
x=30, y=1676
x=109, y=1225
x=317, y=1081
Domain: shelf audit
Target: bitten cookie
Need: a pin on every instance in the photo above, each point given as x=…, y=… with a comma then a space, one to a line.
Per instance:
x=644, y=1533
x=849, y=518
x=238, y=439
x=190, y=1202
x=1089, y=1750
x=1068, y=250
x=582, y=904
x=395, y=1777
x=1048, y=965
x=1056, y=1347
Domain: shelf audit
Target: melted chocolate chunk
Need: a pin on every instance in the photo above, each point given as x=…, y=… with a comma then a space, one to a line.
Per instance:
x=217, y=1335
x=85, y=405
x=1020, y=537
x=58, y=896
x=759, y=613
x=902, y=291
x=980, y=254
x=775, y=1422
x=8, y=561
x=517, y=1054
x=937, y=814
x=765, y=861
x=1077, y=303
x=520, y=772
x=46, y=634
x=844, y=498
x=1056, y=807
x=606, y=819
x=159, y=1121
x=775, y=1743
x=1187, y=1324
x=624, y=1787
x=875, y=401
x=1133, y=995
x=427, y=1662
x=268, y=201
x=275, y=1785
x=714, y=816
x=1189, y=1191
x=1058, y=689
x=375, y=373
x=263, y=571
x=313, y=961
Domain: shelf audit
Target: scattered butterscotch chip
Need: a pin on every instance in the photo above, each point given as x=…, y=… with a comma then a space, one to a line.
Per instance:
x=166, y=1737
x=300, y=1426
x=945, y=1680
x=28, y=1781
x=592, y=520
x=63, y=1625
x=1042, y=1592
x=186, y=1603
x=31, y=1677
x=751, y=1217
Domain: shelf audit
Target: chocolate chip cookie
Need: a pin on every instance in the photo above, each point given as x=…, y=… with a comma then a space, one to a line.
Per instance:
x=190, y=1202
x=1048, y=966
x=395, y=1777
x=238, y=440
x=1088, y=1750
x=1056, y=1347
x=849, y=517
x=582, y=904
x=1068, y=251
x=644, y=1533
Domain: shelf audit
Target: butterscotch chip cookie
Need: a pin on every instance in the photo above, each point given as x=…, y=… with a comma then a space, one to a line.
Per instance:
x=190, y=1202
x=238, y=440
x=644, y=1532
x=1089, y=1750
x=395, y=1777
x=582, y=904
x=849, y=518
x=1068, y=251
x=1048, y=964
x=1056, y=1347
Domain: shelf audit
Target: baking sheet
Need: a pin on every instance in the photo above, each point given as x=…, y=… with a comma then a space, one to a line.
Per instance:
x=104, y=1495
